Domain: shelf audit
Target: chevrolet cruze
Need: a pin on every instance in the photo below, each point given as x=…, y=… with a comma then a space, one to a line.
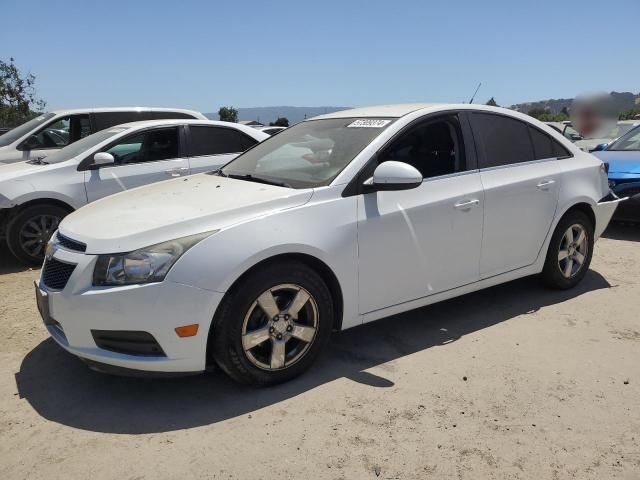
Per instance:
x=334, y=222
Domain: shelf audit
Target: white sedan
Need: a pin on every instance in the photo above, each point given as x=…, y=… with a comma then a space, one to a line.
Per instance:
x=372, y=212
x=36, y=195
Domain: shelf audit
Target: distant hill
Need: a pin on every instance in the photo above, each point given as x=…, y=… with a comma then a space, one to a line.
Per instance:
x=622, y=100
x=270, y=114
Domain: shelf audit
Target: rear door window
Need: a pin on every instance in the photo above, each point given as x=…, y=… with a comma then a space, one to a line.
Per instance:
x=501, y=140
x=207, y=140
x=109, y=119
x=169, y=115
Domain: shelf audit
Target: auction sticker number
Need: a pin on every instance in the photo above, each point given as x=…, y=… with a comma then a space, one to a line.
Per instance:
x=368, y=123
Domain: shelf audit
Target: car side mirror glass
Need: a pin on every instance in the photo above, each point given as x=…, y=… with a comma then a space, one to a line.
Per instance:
x=600, y=147
x=392, y=175
x=102, y=158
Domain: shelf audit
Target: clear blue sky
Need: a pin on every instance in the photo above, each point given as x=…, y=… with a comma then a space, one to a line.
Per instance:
x=203, y=54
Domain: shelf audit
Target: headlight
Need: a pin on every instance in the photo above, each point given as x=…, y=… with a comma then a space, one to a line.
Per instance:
x=149, y=264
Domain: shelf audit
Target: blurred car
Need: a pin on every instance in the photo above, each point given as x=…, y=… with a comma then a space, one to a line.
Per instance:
x=36, y=195
x=619, y=129
x=4, y=130
x=566, y=129
x=271, y=130
x=43, y=135
x=623, y=158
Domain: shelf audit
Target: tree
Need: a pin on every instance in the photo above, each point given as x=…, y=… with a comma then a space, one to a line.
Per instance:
x=280, y=122
x=228, y=114
x=492, y=102
x=630, y=115
x=18, y=101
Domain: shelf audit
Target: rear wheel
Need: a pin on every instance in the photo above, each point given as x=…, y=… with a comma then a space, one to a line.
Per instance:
x=273, y=324
x=570, y=251
x=30, y=230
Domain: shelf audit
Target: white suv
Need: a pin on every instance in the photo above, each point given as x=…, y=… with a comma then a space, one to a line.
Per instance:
x=52, y=131
x=36, y=195
x=334, y=222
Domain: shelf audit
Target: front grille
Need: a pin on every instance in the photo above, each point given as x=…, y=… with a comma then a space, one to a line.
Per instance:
x=71, y=244
x=55, y=274
x=129, y=342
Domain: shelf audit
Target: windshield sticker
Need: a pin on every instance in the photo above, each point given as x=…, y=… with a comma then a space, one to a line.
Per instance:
x=369, y=123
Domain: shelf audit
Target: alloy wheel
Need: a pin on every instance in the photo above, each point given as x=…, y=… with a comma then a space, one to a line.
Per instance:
x=573, y=250
x=280, y=327
x=36, y=232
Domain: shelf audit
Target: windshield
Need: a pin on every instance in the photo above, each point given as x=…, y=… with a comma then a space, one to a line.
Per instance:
x=83, y=145
x=20, y=131
x=309, y=154
x=619, y=130
x=629, y=142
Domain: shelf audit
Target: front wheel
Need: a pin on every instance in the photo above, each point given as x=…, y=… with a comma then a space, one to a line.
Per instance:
x=273, y=324
x=570, y=251
x=30, y=230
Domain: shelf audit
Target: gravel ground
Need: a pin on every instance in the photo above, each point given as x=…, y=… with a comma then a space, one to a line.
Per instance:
x=513, y=382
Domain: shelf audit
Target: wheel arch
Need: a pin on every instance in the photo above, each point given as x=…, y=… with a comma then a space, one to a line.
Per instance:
x=320, y=267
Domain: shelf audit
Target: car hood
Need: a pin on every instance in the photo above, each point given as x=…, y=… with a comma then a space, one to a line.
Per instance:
x=620, y=161
x=11, y=171
x=591, y=143
x=172, y=209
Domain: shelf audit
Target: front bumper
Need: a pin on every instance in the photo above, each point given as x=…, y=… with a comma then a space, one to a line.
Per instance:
x=74, y=313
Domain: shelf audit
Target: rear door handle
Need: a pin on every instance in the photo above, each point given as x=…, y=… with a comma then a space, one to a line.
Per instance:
x=544, y=185
x=466, y=204
x=176, y=172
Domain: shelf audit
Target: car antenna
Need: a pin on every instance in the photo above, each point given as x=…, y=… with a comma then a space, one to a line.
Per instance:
x=474, y=93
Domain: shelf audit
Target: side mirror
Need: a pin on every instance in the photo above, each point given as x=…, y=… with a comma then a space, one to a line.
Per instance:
x=102, y=158
x=393, y=175
x=600, y=147
x=31, y=143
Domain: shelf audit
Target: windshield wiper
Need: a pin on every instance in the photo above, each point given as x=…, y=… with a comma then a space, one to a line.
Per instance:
x=37, y=161
x=218, y=172
x=253, y=178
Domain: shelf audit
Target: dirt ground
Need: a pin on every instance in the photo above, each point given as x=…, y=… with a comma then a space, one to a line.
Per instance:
x=513, y=382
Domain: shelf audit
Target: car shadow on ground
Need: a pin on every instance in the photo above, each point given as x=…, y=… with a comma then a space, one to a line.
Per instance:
x=9, y=264
x=62, y=389
x=623, y=231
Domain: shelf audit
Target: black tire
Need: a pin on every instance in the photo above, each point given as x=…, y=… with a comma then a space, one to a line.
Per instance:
x=18, y=224
x=552, y=274
x=225, y=338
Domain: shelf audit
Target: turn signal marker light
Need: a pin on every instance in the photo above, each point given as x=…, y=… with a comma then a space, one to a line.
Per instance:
x=187, y=330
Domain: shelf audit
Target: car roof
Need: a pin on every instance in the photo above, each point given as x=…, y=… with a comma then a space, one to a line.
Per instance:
x=629, y=122
x=391, y=110
x=70, y=111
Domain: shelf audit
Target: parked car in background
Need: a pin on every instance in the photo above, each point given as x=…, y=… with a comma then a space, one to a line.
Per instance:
x=620, y=128
x=566, y=129
x=52, y=131
x=36, y=195
x=270, y=130
x=623, y=158
x=384, y=209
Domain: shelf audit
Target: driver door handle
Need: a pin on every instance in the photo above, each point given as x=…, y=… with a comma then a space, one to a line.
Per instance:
x=176, y=172
x=467, y=204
